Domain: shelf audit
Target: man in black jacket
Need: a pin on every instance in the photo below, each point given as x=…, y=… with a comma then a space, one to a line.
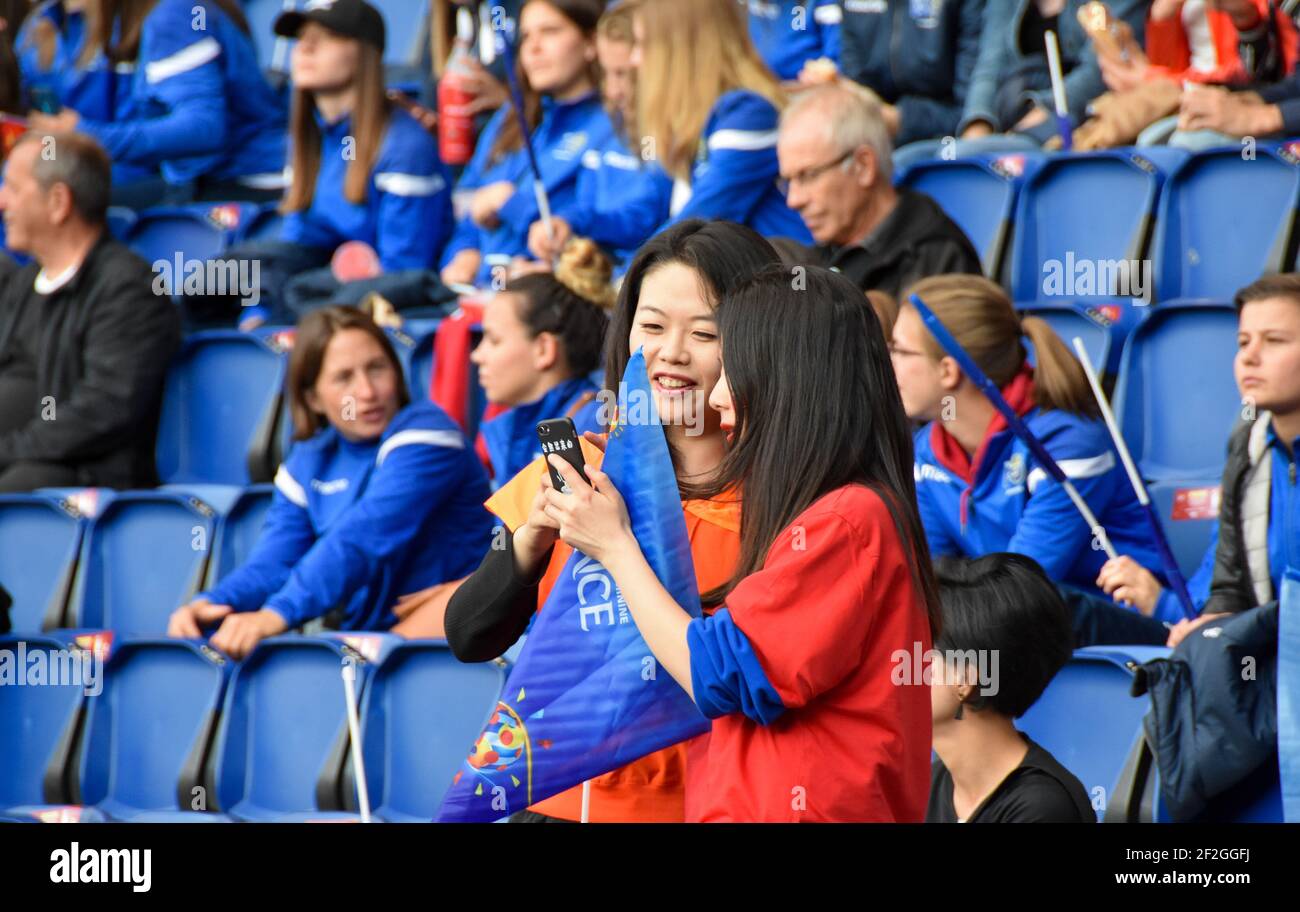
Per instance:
x=84, y=341
x=834, y=155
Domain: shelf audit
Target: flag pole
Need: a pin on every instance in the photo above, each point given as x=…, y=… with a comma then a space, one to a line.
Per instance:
x=586, y=801
x=991, y=392
x=1172, y=573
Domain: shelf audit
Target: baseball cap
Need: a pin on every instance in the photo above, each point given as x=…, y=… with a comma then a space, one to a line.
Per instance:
x=350, y=18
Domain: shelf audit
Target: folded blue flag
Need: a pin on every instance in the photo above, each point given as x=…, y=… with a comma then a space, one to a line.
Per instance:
x=586, y=695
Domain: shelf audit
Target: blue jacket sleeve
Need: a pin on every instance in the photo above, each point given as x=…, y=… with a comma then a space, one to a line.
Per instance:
x=921, y=117
x=418, y=469
x=183, y=79
x=726, y=675
x=414, y=212
x=742, y=166
x=624, y=223
x=1198, y=587
x=559, y=174
x=286, y=536
x=465, y=236
x=1050, y=530
x=992, y=64
x=828, y=14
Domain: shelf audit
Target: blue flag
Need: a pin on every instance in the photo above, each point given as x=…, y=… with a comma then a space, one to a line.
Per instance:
x=586, y=695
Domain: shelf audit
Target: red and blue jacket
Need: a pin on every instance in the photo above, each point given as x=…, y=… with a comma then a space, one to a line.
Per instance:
x=358, y=524
x=1003, y=500
x=789, y=33
x=800, y=673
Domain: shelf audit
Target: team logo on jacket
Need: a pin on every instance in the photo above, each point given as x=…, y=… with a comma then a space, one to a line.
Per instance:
x=330, y=487
x=571, y=145
x=1013, y=474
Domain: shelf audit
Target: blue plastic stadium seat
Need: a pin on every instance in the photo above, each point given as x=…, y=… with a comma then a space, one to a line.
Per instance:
x=159, y=235
x=1187, y=510
x=1086, y=718
x=282, y=743
x=40, y=538
x=121, y=220
x=1176, y=400
x=148, y=734
x=422, y=712
x=979, y=194
x=238, y=531
x=38, y=725
x=266, y=225
x=144, y=555
x=220, y=407
x=1083, y=214
x=1224, y=221
x=414, y=349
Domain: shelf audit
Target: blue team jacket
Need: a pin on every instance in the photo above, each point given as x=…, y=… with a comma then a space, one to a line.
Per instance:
x=89, y=90
x=1014, y=505
x=621, y=200
x=735, y=171
x=407, y=215
x=359, y=524
x=917, y=54
x=789, y=33
x=197, y=105
x=511, y=437
x=564, y=134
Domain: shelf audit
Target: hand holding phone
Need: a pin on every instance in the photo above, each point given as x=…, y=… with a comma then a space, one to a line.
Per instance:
x=559, y=436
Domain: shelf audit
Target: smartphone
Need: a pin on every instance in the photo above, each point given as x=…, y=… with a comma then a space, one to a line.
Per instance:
x=45, y=100
x=558, y=435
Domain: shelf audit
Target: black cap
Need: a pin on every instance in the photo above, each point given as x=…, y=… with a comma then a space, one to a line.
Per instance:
x=350, y=18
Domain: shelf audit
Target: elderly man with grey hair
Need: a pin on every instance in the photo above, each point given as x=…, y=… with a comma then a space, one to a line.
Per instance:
x=834, y=153
x=84, y=341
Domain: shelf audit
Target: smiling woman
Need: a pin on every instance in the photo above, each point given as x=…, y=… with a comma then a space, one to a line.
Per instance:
x=378, y=501
x=666, y=308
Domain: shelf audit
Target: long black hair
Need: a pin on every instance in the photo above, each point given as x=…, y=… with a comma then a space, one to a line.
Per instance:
x=816, y=408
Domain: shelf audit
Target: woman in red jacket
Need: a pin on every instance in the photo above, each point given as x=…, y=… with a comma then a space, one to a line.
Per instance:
x=798, y=670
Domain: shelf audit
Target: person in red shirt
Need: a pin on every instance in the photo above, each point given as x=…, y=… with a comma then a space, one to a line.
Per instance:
x=797, y=668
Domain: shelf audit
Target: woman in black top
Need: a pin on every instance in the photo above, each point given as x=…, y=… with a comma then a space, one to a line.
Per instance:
x=1005, y=634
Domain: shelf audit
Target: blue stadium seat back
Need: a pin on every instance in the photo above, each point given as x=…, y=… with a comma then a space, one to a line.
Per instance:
x=145, y=554
x=266, y=225
x=423, y=711
x=40, y=540
x=283, y=738
x=38, y=722
x=148, y=732
x=220, y=404
x=1103, y=328
x=121, y=219
x=1086, y=717
x=1208, y=244
x=1176, y=400
x=1083, y=225
x=1187, y=510
x=238, y=531
x=160, y=235
x=979, y=194
x=221, y=498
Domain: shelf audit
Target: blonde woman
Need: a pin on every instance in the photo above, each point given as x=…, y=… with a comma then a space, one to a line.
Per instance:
x=707, y=111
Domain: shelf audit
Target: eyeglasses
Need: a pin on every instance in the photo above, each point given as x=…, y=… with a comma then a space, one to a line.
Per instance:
x=807, y=175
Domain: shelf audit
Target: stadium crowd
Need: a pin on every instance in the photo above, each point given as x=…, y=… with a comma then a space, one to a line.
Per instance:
x=710, y=182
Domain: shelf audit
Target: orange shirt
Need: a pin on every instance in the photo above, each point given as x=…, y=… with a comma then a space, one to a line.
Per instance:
x=649, y=790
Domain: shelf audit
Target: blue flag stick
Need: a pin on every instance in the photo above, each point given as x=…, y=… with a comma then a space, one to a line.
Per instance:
x=994, y=395
x=517, y=102
x=1172, y=573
